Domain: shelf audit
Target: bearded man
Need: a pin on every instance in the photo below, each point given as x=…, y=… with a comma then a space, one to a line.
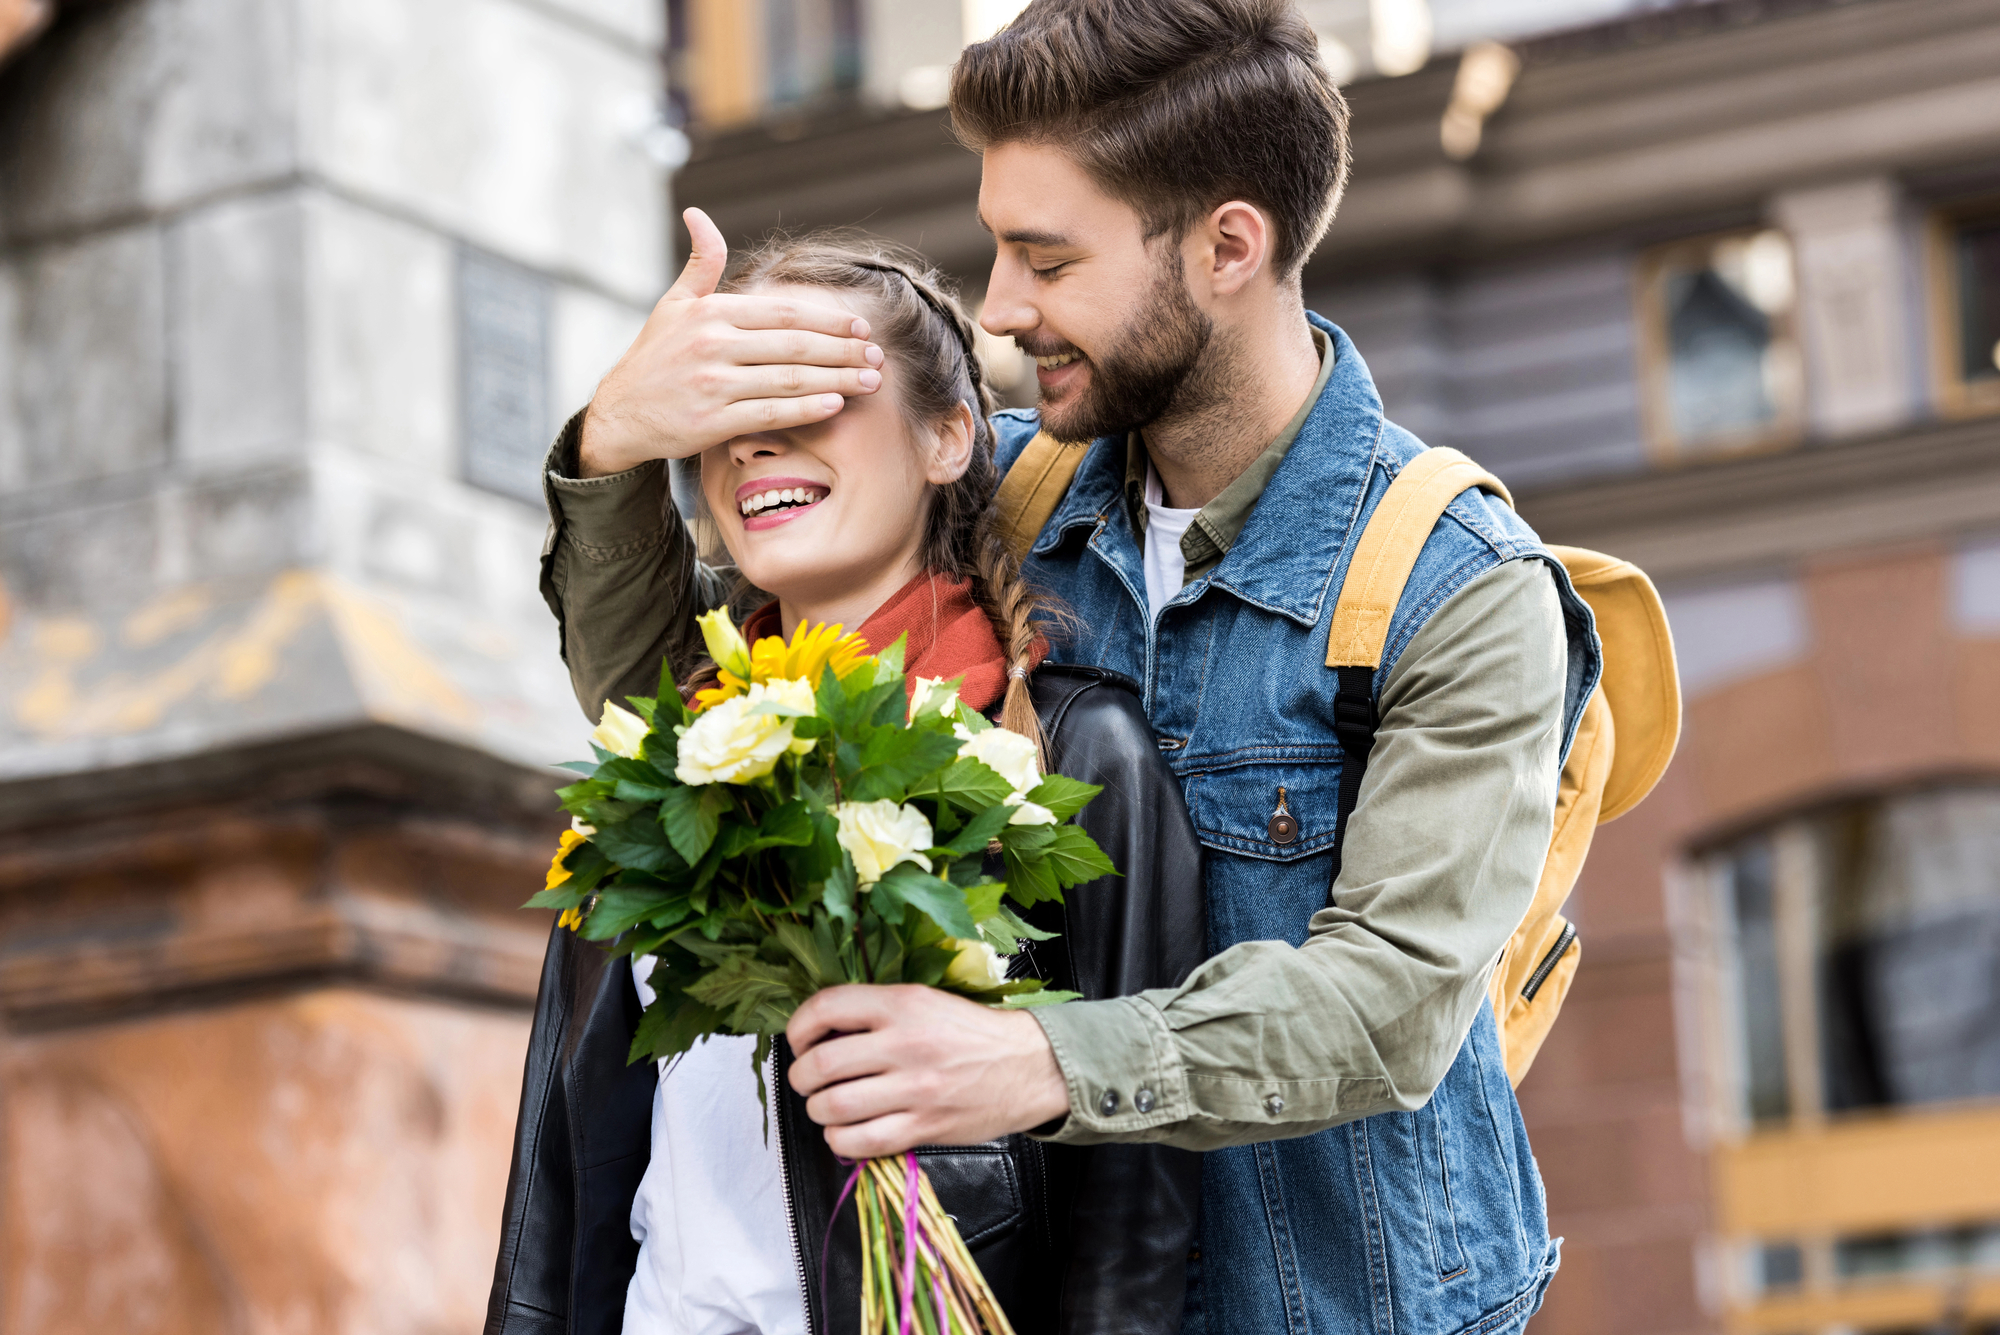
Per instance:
x=1155, y=173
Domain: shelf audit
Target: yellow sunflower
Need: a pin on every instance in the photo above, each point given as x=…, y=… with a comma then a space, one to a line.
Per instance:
x=812, y=650
x=571, y=918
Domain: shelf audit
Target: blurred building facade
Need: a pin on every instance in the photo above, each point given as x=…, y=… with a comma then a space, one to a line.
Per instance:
x=289, y=295
x=1715, y=287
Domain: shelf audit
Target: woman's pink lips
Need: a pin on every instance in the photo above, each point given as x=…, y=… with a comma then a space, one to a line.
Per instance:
x=764, y=519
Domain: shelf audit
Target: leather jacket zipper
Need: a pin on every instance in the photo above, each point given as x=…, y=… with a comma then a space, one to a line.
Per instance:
x=776, y=1097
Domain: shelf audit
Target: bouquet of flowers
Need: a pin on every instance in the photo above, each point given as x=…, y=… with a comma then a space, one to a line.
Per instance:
x=798, y=826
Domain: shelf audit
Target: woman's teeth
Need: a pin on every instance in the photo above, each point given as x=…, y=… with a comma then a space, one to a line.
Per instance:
x=1051, y=363
x=765, y=500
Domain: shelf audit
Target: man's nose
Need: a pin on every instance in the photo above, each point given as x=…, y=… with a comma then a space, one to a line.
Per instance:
x=1006, y=312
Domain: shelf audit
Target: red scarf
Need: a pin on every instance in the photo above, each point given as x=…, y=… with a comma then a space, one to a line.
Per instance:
x=949, y=636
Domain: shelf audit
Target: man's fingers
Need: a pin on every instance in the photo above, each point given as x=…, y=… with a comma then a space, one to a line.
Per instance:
x=748, y=416
x=878, y=1139
x=708, y=256
x=847, y=1009
x=800, y=347
x=758, y=311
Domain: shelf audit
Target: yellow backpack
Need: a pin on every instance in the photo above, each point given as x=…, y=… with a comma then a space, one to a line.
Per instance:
x=1623, y=742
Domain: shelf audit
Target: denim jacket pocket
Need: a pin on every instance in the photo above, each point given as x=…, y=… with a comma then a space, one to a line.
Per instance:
x=1275, y=803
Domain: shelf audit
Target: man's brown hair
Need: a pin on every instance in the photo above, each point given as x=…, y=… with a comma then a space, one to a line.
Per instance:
x=1174, y=106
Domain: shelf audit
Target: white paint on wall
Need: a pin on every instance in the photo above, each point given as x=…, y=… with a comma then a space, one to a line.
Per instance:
x=1725, y=634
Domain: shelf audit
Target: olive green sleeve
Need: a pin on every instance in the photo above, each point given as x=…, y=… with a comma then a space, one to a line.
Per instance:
x=1266, y=1041
x=620, y=572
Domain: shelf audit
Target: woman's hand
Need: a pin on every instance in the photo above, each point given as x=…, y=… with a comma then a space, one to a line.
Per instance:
x=887, y=1068
x=707, y=368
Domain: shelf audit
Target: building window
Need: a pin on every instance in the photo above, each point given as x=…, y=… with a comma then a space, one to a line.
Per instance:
x=734, y=62
x=1858, y=952
x=1719, y=355
x=1966, y=292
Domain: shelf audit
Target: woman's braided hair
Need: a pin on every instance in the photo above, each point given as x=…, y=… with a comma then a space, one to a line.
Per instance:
x=917, y=321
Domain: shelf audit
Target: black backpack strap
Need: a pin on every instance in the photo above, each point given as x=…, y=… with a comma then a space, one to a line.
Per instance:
x=1354, y=724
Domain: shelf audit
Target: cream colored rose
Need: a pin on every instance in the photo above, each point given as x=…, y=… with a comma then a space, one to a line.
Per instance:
x=1028, y=813
x=1008, y=754
x=878, y=835
x=977, y=965
x=620, y=731
x=935, y=694
x=732, y=743
x=788, y=699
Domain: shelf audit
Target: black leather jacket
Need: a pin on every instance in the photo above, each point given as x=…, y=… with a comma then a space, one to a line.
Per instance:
x=1084, y=1241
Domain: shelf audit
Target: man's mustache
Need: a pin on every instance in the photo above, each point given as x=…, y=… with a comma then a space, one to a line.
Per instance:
x=1036, y=347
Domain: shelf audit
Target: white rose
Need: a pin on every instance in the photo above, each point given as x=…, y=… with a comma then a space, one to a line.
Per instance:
x=936, y=694
x=620, y=731
x=977, y=965
x=1008, y=754
x=729, y=744
x=878, y=835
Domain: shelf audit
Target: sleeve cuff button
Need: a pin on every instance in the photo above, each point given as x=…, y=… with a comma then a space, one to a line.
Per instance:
x=1108, y=1104
x=1274, y=1105
x=1143, y=1100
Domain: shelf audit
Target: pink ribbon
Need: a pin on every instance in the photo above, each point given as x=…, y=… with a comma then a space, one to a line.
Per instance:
x=911, y=1216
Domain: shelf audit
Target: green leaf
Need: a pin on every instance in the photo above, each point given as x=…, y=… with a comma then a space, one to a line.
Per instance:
x=789, y=826
x=892, y=657
x=1075, y=857
x=980, y=831
x=668, y=707
x=1040, y=997
x=643, y=706
x=982, y=901
x=940, y=901
x=583, y=767
x=1063, y=795
x=1030, y=881
x=638, y=843
x=689, y=817
x=564, y=896
x=672, y=1025
x=839, y=892
x=894, y=758
x=619, y=909
x=1020, y=927
x=970, y=785
x=1028, y=840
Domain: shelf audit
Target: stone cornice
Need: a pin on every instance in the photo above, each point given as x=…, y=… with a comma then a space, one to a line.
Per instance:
x=1771, y=510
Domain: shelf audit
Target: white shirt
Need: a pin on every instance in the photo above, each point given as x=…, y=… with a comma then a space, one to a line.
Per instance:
x=1166, y=566
x=716, y=1255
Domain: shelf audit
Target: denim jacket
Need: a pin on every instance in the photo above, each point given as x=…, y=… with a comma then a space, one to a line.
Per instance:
x=1424, y=1222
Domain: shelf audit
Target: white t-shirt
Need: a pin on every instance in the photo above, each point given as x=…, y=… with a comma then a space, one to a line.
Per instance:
x=715, y=1240
x=1166, y=566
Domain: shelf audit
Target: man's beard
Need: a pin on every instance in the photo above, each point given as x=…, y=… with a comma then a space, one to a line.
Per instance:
x=1156, y=367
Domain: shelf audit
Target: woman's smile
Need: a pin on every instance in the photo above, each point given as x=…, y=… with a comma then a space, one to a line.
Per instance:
x=766, y=502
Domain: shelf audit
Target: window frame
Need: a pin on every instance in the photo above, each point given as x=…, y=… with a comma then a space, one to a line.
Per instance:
x=1956, y=397
x=1786, y=430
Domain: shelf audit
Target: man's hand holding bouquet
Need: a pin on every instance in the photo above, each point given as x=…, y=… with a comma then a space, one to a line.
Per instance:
x=812, y=821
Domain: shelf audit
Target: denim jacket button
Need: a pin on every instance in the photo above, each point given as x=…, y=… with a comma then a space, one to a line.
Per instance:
x=1143, y=1100
x=1274, y=1105
x=1109, y=1103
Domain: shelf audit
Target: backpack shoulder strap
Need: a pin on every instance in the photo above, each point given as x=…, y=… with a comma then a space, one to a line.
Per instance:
x=1033, y=488
x=1384, y=556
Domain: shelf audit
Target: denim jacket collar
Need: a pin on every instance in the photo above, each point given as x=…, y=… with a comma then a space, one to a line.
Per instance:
x=1283, y=560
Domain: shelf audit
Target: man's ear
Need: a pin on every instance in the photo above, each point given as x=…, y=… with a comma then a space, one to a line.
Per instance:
x=1234, y=245
x=951, y=453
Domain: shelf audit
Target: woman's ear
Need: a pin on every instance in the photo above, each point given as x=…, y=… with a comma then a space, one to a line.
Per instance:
x=951, y=454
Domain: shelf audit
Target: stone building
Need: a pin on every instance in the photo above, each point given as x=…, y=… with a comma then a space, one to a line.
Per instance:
x=1715, y=287
x=290, y=295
